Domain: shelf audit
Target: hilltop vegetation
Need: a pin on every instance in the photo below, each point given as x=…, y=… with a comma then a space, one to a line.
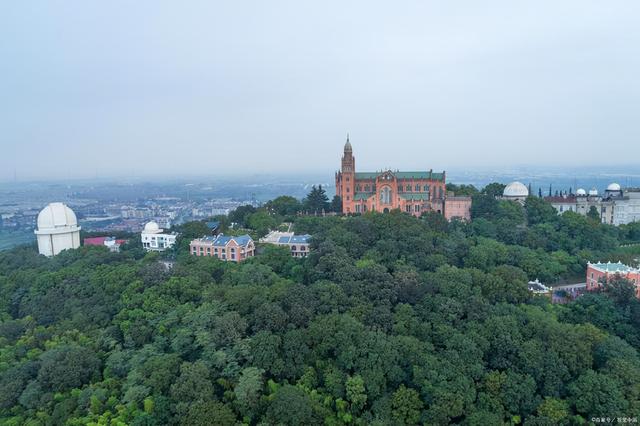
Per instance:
x=391, y=320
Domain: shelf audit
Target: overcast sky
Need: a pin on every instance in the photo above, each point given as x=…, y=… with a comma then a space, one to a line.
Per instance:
x=101, y=88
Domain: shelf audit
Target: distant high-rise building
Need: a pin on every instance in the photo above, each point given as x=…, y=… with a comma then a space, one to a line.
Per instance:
x=57, y=229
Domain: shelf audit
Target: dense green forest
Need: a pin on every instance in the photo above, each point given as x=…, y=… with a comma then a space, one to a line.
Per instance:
x=391, y=320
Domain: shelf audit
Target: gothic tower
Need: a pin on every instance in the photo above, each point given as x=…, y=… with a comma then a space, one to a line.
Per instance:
x=346, y=184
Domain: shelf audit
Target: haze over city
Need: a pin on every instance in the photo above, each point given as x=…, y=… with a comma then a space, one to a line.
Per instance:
x=161, y=88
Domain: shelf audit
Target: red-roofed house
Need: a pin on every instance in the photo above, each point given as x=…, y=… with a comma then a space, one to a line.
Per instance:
x=110, y=242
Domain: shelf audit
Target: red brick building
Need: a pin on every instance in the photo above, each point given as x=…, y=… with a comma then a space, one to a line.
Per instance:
x=225, y=248
x=597, y=273
x=411, y=192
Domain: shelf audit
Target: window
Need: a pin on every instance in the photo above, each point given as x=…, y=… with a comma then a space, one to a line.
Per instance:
x=416, y=208
x=408, y=188
x=293, y=248
x=348, y=189
x=302, y=248
x=426, y=188
x=407, y=208
x=417, y=188
x=357, y=208
x=358, y=189
x=366, y=188
x=385, y=195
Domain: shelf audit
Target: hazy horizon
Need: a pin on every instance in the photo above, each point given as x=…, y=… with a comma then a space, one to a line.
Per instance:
x=108, y=90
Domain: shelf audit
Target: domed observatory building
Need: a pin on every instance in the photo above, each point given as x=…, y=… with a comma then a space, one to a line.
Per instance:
x=515, y=191
x=153, y=238
x=57, y=229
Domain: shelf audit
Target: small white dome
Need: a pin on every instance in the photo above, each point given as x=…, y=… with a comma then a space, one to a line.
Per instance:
x=56, y=215
x=581, y=192
x=516, y=189
x=593, y=192
x=151, y=227
x=613, y=187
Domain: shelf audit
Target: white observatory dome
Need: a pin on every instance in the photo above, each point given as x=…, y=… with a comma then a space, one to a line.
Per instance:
x=151, y=227
x=516, y=190
x=56, y=215
x=593, y=192
x=581, y=192
x=613, y=187
x=57, y=229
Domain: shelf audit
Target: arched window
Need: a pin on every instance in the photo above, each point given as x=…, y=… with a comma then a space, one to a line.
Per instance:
x=385, y=195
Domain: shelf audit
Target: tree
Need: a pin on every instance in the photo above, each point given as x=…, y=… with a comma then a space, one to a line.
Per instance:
x=284, y=205
x=193, y=383
x=494, y=189
x=593, y=214
x=539, y=211
x=553, y=409
x=262, y=222
x=593, y=394
x=316, y=200
x=240, y=214
x=191, y=230
x=249, y=390
x=467, y=190
x=336, y=204
x=208, y=413
x=356, y=393
x=291, y=406
x=406, y=406
x=67, y=366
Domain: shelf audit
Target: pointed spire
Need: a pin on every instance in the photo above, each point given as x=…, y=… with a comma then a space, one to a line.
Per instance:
x=347, y=146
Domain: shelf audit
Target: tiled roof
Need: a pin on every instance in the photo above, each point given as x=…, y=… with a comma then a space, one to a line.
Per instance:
x=612, y=267
x=402, y=175
x=362, y=196
x=366, y=175
x=297, y=239
x=223, y=240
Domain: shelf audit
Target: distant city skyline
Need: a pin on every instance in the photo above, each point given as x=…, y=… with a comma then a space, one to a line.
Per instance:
x=158, y=88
